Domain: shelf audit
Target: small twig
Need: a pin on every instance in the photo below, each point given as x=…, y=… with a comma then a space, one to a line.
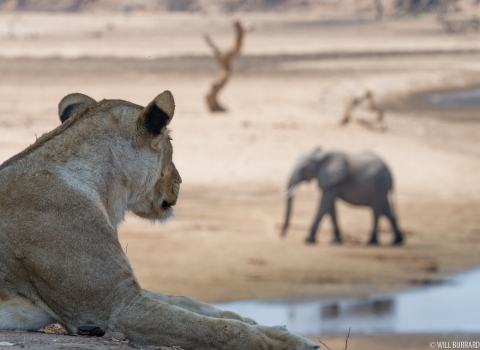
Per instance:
x=126, y=250
x=325, y=345
x=346, y=340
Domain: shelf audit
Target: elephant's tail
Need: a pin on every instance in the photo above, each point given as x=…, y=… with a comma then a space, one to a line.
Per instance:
x=392, y=198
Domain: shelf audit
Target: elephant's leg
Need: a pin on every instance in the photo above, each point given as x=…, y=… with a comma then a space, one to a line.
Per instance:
x=376, y=215
x=336, y=231
x=326, y=205
x=387, y=211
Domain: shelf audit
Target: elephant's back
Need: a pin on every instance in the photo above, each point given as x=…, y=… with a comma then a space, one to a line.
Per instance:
x=369, y=178
x=369, y=167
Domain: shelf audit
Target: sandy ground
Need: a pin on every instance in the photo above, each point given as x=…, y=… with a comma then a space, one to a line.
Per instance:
x=286, y=96
x=41, y=341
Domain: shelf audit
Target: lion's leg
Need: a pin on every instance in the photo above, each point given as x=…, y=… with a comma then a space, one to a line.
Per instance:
x=196, y=306
x=147, y=321
x=98, y=288
x=17, y=312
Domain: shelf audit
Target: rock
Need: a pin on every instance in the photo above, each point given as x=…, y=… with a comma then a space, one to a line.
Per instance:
x=117, y=336
x=54, y=328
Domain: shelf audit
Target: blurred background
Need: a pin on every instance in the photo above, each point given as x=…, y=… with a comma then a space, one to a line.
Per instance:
x=398, y=78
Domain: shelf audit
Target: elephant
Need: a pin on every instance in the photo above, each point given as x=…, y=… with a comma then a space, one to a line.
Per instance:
x=361, y=179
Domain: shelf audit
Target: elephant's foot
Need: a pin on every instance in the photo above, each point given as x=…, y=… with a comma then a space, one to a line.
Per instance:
x=337, y=240
x=398, y=240
x=310, y=240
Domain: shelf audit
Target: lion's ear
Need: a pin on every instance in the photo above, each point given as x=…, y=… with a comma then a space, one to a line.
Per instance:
x=72, y=103
x=158, y=114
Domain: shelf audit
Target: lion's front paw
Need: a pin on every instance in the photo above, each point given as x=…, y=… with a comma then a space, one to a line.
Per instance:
x=280, y=338
x=249, y=321
x=233, y=316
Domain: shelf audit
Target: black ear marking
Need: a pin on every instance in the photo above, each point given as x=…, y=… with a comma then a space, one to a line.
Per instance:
x=154, y=119
x=157, y=115
x=69, y=111
x=73, y=103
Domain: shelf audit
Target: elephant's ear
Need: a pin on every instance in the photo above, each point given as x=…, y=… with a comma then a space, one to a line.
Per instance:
x=73, y=103
x=333, y=170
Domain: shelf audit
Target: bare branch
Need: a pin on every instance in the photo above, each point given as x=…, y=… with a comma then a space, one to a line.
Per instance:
x=212, y=45
x=237, y=46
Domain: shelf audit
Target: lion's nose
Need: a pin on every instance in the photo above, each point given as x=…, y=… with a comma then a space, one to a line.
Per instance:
x=166, y=205
x=176, y=174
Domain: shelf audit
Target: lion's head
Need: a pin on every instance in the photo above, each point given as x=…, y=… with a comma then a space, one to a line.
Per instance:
x=142, y=145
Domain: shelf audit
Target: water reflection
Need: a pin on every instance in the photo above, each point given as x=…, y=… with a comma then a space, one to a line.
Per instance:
x=453, y=307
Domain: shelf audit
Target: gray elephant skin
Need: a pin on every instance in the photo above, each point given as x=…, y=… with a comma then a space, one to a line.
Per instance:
x=360, y=179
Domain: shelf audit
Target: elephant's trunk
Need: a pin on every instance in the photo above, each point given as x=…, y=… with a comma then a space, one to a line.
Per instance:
x=290, y=192
x=293, y=182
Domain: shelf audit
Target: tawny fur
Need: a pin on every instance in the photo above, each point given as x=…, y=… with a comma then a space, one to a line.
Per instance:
x=61, y=201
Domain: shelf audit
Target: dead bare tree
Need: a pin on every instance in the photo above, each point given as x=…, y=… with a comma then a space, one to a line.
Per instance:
x=353, y=103
x=415, y=7
x=460, y=25
x=378, y=8
x=457, y=19
x=224, y=60
x=407, y=6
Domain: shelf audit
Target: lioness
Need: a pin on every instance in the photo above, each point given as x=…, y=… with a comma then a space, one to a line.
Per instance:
x=61, y=201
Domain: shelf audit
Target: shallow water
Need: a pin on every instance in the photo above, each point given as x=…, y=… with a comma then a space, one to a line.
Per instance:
x=456, y=99
x=451, y=307
x=461, y=105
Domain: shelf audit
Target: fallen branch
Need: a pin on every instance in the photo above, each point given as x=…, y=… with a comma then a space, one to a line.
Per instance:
x=377, y=123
